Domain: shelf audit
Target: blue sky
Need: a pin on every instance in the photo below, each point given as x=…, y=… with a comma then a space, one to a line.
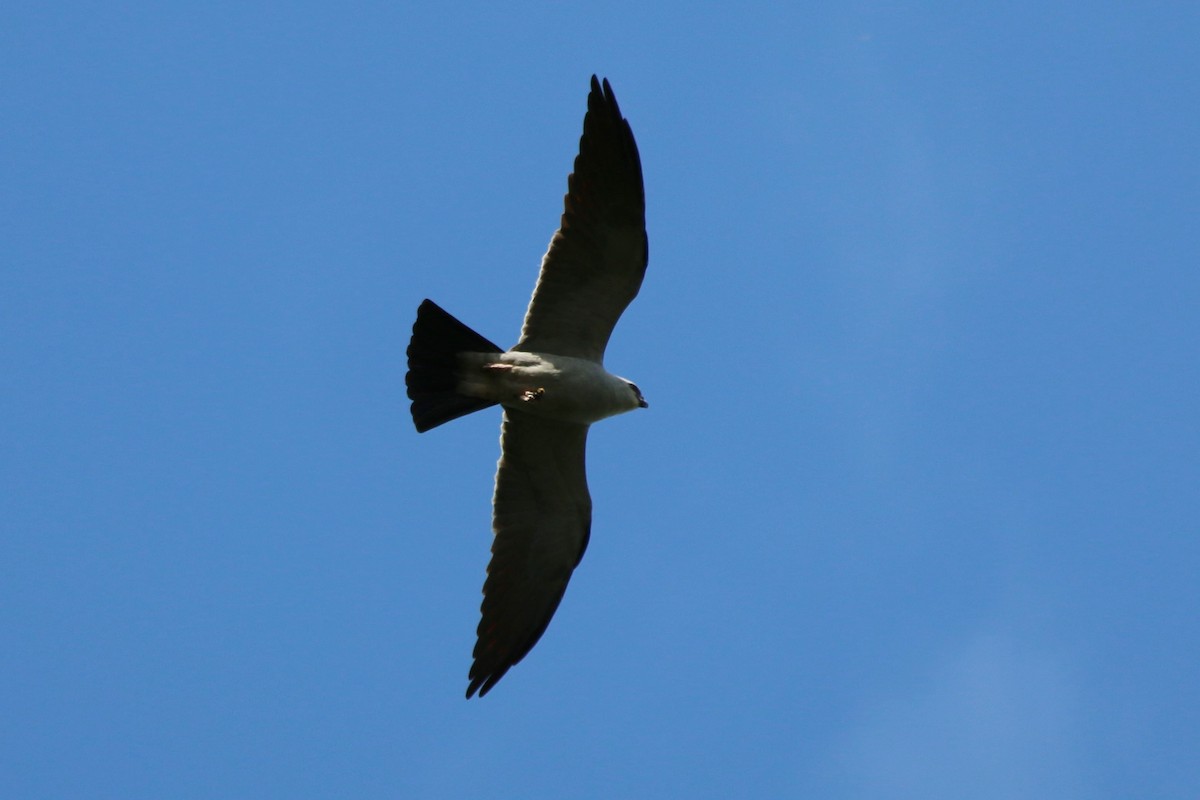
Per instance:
x=914, y=510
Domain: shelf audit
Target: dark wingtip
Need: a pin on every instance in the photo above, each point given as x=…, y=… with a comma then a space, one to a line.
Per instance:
x=484, y=683
x=603, y=93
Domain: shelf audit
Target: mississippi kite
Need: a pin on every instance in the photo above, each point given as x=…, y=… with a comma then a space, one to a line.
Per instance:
x=551, y=384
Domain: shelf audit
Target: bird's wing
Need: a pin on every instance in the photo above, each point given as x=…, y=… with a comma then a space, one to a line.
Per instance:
x=541, y=518
x=597, y=258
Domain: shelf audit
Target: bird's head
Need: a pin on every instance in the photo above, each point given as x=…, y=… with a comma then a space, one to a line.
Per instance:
x=637, y=395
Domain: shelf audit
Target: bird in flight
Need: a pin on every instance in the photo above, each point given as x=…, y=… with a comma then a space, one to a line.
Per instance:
x=551, y=384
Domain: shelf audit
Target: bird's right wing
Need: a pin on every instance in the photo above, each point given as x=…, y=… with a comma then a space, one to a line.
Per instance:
x=542, y=516
x=597, y=258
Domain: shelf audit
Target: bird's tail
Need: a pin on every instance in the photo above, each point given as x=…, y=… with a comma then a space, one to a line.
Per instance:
x=437, y=339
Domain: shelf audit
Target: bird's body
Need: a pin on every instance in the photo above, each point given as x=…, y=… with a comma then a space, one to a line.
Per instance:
x=552, y=385
x=561, y=388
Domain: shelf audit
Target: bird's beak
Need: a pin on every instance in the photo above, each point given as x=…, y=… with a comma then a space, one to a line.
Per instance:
x=642, y=403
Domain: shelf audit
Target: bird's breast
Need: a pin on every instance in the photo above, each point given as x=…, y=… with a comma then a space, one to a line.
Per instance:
x=562, y=388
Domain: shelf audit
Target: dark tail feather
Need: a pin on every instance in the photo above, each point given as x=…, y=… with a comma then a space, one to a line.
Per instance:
x=437, y=340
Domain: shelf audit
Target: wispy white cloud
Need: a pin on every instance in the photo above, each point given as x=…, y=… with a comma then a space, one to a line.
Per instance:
x=992, y=718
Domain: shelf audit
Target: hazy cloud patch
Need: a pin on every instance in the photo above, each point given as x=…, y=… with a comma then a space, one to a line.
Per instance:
x=992, y=718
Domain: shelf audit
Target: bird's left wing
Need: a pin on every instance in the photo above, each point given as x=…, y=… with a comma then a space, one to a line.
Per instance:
x=542, y=515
